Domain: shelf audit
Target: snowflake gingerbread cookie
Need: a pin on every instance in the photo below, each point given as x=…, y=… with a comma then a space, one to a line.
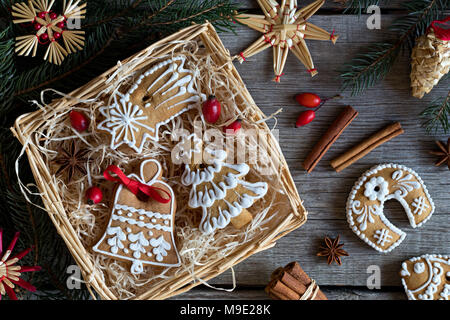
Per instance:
x=218, y=188
x=141, y=231
x=160, y=94
x=427, y=277
x=366, y=202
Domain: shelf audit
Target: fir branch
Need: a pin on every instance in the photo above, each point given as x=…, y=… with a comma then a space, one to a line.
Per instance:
x=359, y=6
x=437, y=115
x=366, y=69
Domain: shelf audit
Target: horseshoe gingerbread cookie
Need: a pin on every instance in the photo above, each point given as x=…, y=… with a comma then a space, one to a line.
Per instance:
x=366, y=202
x=427, y=277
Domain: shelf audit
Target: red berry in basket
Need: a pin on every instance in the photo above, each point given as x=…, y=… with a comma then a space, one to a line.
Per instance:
x=305, y=117
x=78, y=121
x=233, y=127
x=94, y=195
x=307, y=99
x=211, y=109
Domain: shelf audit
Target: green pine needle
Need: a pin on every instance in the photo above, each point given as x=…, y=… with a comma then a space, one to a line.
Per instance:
x=437, y=115
x=366, y=69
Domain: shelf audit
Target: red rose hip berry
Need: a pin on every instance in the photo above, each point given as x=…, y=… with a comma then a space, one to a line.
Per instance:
x=211, y=109
x=305, y=117
x=233, y=127
x=94, y=195
x=307, y=99
x=78, y=121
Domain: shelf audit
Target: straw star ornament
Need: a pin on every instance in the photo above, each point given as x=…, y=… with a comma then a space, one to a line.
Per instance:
x=49, y=28
x=10, y=272
x=284, y=28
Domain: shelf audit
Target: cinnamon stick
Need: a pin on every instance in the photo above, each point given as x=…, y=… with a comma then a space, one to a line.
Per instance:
x=330, y=136
x=292, y=283
x=297, y=272
x=367, y=145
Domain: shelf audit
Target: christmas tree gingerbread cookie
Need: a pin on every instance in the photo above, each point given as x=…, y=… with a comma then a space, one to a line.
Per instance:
x=141, y=229
x=427, y=277
x=160, y=94
x=219, y=189
x=366, y=202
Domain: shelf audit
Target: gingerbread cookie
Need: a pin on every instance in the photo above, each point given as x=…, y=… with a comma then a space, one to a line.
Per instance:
x=427, y=277
x=141, y=232
x=159, y=94
x=219, y=190
x=366, y=201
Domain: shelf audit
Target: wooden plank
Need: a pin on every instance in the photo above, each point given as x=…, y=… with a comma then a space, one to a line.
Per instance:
x=332, y=293
x=392, y=4
x=303, y=244
x=325, y=191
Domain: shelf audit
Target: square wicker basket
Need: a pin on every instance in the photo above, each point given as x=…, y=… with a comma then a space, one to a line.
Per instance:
x=28, y=127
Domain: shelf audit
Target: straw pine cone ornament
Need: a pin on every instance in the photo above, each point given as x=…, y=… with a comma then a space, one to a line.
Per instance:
x=430, y=58
x=285, y=28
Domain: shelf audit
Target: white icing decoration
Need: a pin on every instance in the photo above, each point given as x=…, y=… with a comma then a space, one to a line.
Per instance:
x=431, y=285
x=419, y=205
x=403, y=184
x=139, y=241
x=159, y=247
x=376, y=188
x=142, y=212
x=185, y=150
x=206, y=197
x=116, y=241
x=141, y=224
x=419, y=267
x=123, y=119
x=365, y=214
x=405, y=272
x=383, y=236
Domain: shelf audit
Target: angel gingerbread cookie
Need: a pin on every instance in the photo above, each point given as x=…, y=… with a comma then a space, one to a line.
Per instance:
x=366, y=202
x=218, y=188
x=427, y=277
x=141, y=230
x=160, y=94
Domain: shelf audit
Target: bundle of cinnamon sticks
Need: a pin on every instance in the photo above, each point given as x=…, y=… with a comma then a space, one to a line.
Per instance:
x=292, y=283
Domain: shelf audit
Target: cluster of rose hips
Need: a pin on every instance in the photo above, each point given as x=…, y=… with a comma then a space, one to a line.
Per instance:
x=310, y=100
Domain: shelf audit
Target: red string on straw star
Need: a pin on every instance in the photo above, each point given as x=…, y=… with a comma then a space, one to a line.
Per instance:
x=10, y=272
x=50, y=28
x=284, y=28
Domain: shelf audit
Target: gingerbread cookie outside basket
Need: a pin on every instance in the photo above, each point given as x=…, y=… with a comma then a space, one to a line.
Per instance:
x=368, y=196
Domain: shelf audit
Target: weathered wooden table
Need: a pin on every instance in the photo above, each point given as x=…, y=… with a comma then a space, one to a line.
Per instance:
x=324, y=191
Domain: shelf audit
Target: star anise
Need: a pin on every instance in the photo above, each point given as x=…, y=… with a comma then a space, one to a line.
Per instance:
x=72, y=160
x=332, y=250
x=443, y=153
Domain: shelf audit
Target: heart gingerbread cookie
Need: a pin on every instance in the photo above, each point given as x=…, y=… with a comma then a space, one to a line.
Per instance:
x=141, y=232
x=160, y=94
x=427, y=277
x=366, y=202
